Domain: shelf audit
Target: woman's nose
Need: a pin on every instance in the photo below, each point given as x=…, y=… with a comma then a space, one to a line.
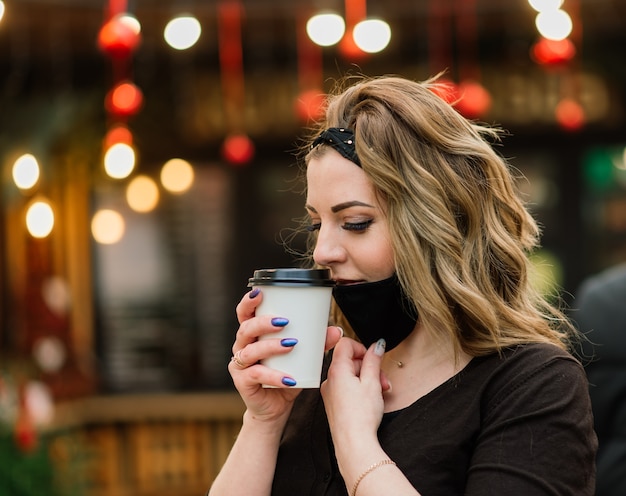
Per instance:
x=328, y=249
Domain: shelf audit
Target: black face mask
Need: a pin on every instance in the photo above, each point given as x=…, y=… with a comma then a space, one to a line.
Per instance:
x=377, y=310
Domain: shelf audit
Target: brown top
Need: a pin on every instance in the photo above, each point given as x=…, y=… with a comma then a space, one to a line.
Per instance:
x=516, y=424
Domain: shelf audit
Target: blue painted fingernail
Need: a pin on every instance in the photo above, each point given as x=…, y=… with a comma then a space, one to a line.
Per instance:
x=288, y=381
x=254, y=293
x=280, y=321
x=288, y=342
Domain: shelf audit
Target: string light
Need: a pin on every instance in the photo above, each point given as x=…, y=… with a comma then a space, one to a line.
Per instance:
x=119, y=160
x=177, y=175
x=107, y=227
x=142, y=194
x=372, y=35
x=26, y=171
x=326, y=28
x=39, y=219
x=543, y=5
x=182, y=32
x=554, y=24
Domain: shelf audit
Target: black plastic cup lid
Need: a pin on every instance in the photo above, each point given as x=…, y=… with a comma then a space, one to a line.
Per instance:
x=291, y=277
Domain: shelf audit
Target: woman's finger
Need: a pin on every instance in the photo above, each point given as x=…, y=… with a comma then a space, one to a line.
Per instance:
x=370, y=367
x=252, y=329
x=255, y=351
x=246, y=307
x=333, y=335
x=347, y=357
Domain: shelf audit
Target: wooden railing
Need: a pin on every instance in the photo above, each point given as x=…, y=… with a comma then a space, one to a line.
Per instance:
x=144, y=445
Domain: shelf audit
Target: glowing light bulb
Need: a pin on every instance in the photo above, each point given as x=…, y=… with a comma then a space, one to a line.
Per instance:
x=541, y=5
x=131, y=22
x=142, y=194
x=326, y=29
x=26, y=171
x=107, y=226
x=182, y=32
x=372, y=35
x=39, y=219
x=119, y=160
x=554, y=24
x=177, y=175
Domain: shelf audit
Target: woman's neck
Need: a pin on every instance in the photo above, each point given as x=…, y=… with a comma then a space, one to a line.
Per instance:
x=417, y=366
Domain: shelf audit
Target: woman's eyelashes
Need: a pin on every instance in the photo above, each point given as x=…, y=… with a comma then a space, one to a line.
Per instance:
x=357, y=226
x=348, y=226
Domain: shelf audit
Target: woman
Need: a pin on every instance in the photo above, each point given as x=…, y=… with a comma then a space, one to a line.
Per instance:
x=459, y=381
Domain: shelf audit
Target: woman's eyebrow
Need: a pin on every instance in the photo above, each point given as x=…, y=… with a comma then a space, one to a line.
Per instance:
x=354, y=203
x=342, y=206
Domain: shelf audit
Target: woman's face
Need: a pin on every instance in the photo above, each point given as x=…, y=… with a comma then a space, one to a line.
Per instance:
x=353, y=234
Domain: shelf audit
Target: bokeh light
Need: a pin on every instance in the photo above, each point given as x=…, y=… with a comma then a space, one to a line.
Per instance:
x=26, y=171
x=39, y=219
x=547, y=272
x=120, y=36
x=177, y=175
x=569, y=114
x=142, y=194
x=1, y=9
x=119, y=160
x=543, y=5
x=238, y=149
x=107, y=226
x=372, y=35
x=326, y=28
x=182, y=32
x=124, y=99
x=118, y=134
x=554, y=24
x=131, y=22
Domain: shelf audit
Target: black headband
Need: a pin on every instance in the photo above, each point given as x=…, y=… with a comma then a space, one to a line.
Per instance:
x=342, y=140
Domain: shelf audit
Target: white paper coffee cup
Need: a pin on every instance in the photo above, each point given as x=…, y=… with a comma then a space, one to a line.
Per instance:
x=303, y=296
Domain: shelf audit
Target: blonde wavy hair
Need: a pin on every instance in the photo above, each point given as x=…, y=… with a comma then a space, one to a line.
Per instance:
x=460, y=231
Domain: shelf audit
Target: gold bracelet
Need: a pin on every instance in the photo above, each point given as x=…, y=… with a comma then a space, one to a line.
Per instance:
x=370, y=469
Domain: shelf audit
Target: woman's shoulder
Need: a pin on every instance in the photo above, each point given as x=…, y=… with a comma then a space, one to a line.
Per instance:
x=536, y=372
x=530, y=356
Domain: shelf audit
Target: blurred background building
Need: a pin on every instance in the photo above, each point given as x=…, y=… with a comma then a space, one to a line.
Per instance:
x=147, y=153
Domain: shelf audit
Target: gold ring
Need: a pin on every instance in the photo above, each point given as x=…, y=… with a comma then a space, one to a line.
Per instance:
x=237, y=359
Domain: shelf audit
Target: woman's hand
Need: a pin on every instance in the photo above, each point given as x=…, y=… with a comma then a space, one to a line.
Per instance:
x=265, y=404
x=353, y=393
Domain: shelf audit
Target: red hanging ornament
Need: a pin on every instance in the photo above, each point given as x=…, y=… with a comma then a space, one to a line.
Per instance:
x=570, y=115
x=124, y=99
x=310, y=105
x=349, y=49
x=356, y=11
x=238, y=149
x=118, y=38
x=552, y=52
x=118, y=134
x=474, y=99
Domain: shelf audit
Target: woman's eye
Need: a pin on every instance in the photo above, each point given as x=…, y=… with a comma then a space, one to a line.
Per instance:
x=314, y=227
x=357, y=226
